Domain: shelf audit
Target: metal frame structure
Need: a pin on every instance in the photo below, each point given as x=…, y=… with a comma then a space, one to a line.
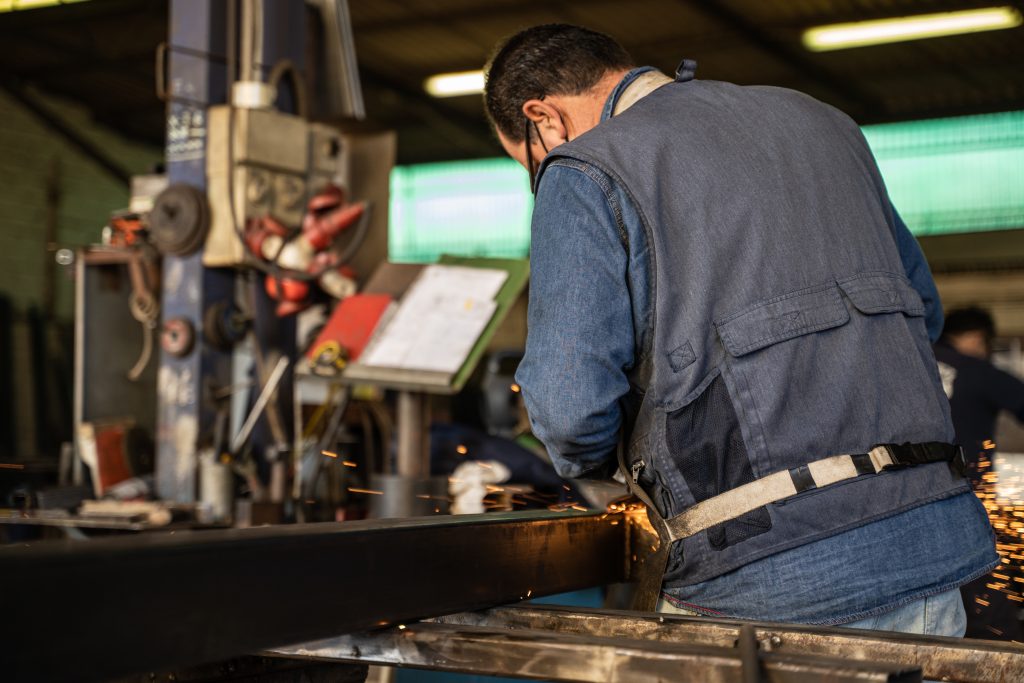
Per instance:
x=939, y=658
x=547, y=655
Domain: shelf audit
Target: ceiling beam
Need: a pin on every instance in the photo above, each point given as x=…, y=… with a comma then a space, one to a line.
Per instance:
x=76, y=58
x=857, y=101
x=468, y=133
x=80, y=12
x=58, y=125
x=482, y=11
x=138, y=66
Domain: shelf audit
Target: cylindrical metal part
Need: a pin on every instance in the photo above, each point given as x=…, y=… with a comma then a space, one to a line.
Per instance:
x=216, y=487
x=402, y=496
x=413, y=443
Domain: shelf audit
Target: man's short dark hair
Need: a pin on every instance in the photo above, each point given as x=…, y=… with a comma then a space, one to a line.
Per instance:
x=969, y=319
x=553, y=59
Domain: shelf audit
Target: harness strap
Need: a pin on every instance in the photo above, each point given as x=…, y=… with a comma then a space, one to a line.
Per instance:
x=647, y=575
x=787, y=483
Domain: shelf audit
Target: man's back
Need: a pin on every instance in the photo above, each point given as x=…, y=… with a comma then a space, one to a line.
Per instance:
x=783, y=329
x=718, y=279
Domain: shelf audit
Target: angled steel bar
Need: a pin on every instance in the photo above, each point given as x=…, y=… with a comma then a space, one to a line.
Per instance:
x=67, y=131
x=975, y=661
x=564, y=657
x=94, y=610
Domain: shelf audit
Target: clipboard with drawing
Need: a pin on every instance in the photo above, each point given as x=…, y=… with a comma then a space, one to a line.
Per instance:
x=443, y=319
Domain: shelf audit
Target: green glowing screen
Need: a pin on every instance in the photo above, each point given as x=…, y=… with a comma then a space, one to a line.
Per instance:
x=465, y=208
x=961, y=174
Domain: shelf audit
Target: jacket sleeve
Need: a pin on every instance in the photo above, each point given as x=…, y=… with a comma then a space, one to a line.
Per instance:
x=916, y=268
x=580, y=339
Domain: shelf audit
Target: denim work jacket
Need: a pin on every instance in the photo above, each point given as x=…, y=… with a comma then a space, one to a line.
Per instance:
x=591, y=303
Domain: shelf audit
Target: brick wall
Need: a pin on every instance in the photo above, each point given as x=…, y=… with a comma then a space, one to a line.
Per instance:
x=30, y=155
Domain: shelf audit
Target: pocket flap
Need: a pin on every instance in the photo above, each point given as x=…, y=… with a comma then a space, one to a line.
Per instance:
x=873, y=293
x=785, y=317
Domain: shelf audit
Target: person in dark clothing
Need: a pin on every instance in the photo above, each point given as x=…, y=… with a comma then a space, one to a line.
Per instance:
x=978, y=392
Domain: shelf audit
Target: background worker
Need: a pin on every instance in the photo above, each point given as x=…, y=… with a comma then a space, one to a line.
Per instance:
x=978, y=392
x=719, y=281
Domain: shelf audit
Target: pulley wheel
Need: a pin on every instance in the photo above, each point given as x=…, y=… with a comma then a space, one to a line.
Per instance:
x=179, y=220
x=177, y=337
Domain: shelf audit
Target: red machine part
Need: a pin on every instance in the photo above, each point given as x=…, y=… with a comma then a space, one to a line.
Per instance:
x=327, y=216
x=347, y=332
x=126, y=230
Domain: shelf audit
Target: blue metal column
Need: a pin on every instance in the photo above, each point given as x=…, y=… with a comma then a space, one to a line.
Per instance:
x=196, y=79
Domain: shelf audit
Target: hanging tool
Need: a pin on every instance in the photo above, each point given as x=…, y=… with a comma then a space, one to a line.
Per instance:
x=144, y=302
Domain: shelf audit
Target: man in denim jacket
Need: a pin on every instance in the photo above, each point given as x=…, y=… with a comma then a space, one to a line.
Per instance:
x=721, y=288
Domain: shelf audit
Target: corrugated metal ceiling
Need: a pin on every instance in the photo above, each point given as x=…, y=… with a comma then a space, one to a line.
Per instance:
x=101, y=53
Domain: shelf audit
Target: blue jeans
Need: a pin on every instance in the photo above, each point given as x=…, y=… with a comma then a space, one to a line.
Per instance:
x=936, y=615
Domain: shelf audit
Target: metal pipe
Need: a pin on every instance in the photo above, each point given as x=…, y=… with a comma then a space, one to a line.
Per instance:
x=412, y=460
x=248, y=38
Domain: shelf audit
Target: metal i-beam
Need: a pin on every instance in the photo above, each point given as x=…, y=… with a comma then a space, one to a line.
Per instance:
x=955, y=659
x=565, y=657
x=93, y=610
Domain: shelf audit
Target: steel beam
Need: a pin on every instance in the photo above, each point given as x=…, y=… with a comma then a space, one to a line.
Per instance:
x=941, y=658
x=91, y=611
x=564, y=657
x=61, y=127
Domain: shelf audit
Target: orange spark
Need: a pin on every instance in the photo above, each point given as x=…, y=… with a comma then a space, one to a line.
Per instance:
x=355, y=490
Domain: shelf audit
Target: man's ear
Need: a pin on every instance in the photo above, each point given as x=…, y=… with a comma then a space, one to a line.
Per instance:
x=549, y=121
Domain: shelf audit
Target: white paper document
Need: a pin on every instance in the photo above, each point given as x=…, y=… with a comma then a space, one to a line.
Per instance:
x=439, y=320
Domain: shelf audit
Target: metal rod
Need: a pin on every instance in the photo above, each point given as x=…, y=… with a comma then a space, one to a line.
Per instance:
x=261, y=403
x=248, y=38
x=564, y=657
x=146, y=603
x=411, y=429
x=941, y=658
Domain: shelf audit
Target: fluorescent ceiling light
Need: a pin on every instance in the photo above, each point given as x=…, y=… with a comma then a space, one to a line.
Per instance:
x=453, y=84
x=11, y=5
x=861, y=33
